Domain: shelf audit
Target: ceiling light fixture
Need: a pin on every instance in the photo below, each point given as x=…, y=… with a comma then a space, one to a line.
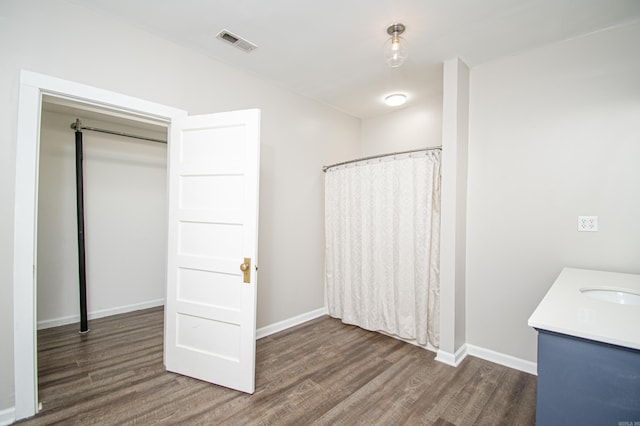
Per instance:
x=395, y=49
x=396, y=99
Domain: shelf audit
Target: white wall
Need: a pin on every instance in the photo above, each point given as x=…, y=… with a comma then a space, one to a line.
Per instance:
x=413, y=127
x=298, y=136
x=125, y=219
x=554, y=133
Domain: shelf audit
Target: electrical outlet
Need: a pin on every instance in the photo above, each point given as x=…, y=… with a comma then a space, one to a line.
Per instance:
x=588, y=223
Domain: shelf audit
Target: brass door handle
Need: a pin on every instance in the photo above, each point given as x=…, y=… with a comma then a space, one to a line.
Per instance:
x=246, y=269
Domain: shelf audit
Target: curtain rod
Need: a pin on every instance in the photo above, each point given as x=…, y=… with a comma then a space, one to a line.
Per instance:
x=78, y=125
x=325, y=168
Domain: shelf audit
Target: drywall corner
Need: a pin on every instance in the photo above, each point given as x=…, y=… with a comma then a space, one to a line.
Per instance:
x=455, y=136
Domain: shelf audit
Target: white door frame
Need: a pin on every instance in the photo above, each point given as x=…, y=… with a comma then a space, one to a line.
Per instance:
x=32, y=87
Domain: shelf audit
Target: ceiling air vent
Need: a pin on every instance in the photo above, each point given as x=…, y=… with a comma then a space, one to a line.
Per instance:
x=236, y=41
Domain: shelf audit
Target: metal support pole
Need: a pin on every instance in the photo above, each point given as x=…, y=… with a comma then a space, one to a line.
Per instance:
x=84, y=327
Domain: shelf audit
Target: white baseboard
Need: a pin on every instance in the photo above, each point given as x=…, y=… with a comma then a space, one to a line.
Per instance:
x=7, y=416
x=503, y=359
x=72, y=319
x=452, y=359
x=488, y=355
x=291, y=322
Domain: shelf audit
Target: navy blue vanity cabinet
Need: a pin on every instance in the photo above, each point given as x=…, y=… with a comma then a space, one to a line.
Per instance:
x=584, y=382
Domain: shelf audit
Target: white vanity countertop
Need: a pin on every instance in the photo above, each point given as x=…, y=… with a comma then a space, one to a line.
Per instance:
x=566, y=310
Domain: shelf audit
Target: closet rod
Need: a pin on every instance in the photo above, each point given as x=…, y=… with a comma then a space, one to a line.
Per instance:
x=74, y=126
x=325, y=168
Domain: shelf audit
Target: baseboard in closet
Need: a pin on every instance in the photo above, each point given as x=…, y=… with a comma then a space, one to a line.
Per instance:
x=71, y=319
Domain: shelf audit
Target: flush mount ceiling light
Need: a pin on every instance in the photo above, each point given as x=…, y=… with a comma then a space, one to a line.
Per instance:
x=396, y=99
x=395, y=49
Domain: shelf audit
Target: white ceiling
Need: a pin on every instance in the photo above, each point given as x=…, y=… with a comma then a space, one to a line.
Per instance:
x=332, y=50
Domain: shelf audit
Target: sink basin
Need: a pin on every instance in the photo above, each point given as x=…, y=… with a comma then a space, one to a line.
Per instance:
x=612, y=295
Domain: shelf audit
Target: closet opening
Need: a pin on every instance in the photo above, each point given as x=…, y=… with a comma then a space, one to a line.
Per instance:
x=124, y=187
x=186, y=156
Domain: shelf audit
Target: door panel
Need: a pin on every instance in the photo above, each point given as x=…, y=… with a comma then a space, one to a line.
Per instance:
x=224, y=192
x=195, y=285
x=213, y=217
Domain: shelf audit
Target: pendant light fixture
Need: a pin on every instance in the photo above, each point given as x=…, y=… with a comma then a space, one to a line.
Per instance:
x=395, y=49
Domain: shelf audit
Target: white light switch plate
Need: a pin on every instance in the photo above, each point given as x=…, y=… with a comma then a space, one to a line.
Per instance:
x=588, y=223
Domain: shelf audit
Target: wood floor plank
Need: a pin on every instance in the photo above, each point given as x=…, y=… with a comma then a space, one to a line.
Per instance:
x=439, y=391
x=469, y=402
x=322, y=372
x=510, y=402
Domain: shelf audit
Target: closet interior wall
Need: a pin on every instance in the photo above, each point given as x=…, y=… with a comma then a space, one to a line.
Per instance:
x=125, y=218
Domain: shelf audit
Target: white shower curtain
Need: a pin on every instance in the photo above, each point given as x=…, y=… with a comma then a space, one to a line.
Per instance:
x=382, y=269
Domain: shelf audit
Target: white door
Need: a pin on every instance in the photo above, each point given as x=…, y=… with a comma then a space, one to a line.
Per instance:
x=210, y=317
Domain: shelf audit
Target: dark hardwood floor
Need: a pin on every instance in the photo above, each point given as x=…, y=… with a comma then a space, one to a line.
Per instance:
x=321, y=372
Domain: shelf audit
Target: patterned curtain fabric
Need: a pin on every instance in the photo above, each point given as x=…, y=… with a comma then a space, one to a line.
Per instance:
x=382, y=255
